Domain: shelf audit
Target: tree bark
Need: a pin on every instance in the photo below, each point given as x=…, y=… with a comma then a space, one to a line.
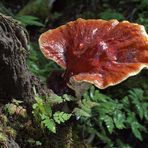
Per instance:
x=15, y=79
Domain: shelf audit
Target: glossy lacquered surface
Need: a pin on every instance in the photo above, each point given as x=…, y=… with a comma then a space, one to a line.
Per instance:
x=97, y=51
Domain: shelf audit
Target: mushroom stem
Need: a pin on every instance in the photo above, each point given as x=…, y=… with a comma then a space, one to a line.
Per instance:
x=78, y=87
x=58, y=83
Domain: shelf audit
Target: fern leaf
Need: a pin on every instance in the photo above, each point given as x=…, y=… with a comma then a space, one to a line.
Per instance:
x=135, y=125
x=136, y=96
x=145, y=110
x=87, y=105
x=109, y=107
x=125, y=101
x=48, y=123
x=138, y=107
x=140, y=111
x=136, y=93
x=111, y=14
x=121, y=144
x=68, y=97
x=109, y=123
x=119, y=119
x=55, y=99
x=61, y=117
x=48, y=109
x=104, y=137
x=86, y=96
x=98, y=97
x=28, y=20
x=81, y=113
x=135, y=129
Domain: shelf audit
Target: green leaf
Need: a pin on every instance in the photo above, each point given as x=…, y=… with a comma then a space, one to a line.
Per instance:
x=119, y=119
x=131, y=117
x=98, y=97
x=135, y=129
x=104, y=137
x=136, y=93
x=136, y=96
x=28, y=20
x=68, y=97
x=125, y=101
x=3, y=138
x=140, y=111
x=144, y=3
x=55, y=99
x=49, y=123
x=87, y=105
x=86, y=96
x=38, y=143
x=109, y=123
x=135, y=125
x=40, y=104
x=17, y=102
x=111, y=14
x=81, y=113
x=106, y=108
x=48, y=109
x=145, y=110
x=61, y=117
x=122, y=145
x=35, y=105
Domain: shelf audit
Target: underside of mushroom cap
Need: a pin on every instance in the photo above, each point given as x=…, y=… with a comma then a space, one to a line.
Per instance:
x=100, y=52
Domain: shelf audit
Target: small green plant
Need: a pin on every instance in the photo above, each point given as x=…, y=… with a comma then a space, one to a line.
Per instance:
x=33, y=142
x=3, y=138
x=61, y=117
x=28, y=20
x=111, y=14
x=43, y=113
x=25, y=20
x=98, y=112
x=15, y=108
x=6, y=131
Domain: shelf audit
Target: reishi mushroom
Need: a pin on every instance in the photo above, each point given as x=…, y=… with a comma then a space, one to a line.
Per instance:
x=100, y=52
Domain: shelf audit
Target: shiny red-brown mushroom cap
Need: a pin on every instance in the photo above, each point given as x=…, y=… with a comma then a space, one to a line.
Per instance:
x=100, y=52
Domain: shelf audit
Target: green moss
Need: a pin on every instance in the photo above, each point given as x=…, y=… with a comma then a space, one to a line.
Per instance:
x=3, y=138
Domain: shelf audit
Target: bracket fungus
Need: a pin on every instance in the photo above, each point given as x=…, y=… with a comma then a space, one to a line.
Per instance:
x=100, y=52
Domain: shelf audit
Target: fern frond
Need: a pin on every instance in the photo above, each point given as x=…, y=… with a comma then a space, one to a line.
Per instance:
x=109, y=123
x=61, y=117
x=48, y=123
x=119, y=119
